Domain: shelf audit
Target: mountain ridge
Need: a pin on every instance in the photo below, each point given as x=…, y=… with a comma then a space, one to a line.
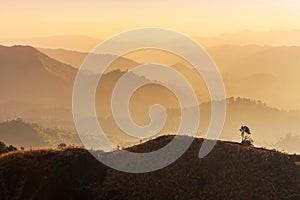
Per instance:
x=230, y=171
x=244, y=37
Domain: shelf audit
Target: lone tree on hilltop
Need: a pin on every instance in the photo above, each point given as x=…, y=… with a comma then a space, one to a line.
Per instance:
x=246, y=136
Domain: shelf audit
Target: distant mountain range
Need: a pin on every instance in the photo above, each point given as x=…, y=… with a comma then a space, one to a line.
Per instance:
x=73, y=42
x=87, y=44
x=269, y=127
x=251, y=71
x=28, y=75
x=246, y=37
x=34, y=86
x=289, y=143
x=38, y=89
x=30, y=135
x=76, y=58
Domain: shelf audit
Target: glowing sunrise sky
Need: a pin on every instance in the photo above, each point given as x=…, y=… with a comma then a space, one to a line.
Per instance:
x=101, y=18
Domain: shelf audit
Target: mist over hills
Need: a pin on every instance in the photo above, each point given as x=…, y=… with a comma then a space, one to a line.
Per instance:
x=38, y=89
x=261, y=72
x=33, y=136
x=72, y=42
x=150, y=100
x=266, y=123
x=289, y=143
x=245, y=37
x=250, y=71
x=34, y=85
x=28, y=75
x=76, y=58
x=21, y=134
x=269, y=127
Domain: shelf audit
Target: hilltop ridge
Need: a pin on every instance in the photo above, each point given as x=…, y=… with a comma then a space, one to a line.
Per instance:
x=230, y=171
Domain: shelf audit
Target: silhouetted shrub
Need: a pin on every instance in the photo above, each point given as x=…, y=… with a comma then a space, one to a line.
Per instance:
x=5, y=149
x=61, y=146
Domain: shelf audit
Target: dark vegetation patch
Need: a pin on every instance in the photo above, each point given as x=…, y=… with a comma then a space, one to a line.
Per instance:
x=230, y=171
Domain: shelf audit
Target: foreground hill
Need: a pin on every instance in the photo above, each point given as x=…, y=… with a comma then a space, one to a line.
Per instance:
x=230, y=171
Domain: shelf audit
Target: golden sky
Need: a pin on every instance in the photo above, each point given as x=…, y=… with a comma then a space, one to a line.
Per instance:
x=102, y=18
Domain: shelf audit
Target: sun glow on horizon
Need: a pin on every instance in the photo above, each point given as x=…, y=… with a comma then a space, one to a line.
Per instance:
x=100, y=19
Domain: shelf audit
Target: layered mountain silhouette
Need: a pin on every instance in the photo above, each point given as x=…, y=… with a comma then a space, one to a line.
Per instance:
x=38, y=89
x=289, y=143
x=21, y=134
x=268, y=126
x=246, y=37
x=28, y=75
x=32, y=136
x=252, y=71
x=76, y=58
x=73, y=42
x=34, y=86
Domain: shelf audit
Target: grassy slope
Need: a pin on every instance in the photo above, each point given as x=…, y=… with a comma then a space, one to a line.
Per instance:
x=230, y=171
